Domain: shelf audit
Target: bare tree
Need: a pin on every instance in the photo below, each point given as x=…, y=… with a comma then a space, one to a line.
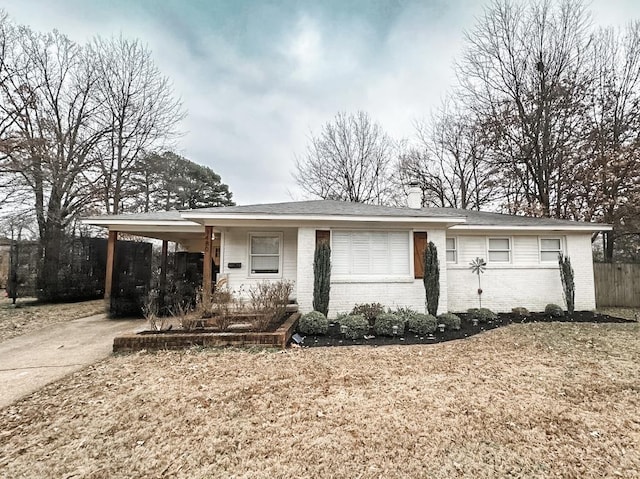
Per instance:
x=448, y=162
x=609, y=179
x=522, y=74
x=48, y=96
x=349, y=160
x=140, y=112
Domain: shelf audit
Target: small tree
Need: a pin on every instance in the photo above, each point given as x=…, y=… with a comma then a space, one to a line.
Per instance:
x=322, y=277
x=478, y=266
x=568, y=285
x=431, y=278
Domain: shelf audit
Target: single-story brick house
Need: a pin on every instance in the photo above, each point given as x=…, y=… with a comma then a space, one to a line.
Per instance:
x=376, y=251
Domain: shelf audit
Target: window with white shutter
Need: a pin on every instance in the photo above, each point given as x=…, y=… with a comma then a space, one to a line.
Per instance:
x=370, y=253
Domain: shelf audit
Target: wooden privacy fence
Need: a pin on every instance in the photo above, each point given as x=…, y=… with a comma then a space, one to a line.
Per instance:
x=617, y=284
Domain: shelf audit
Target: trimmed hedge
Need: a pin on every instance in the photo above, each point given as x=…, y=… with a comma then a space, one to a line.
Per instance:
x=422, y=324
x=450, y=320
x=356, y=326
x=482, y=314
x=553, y=310
x=385, y=322
x=313, y=323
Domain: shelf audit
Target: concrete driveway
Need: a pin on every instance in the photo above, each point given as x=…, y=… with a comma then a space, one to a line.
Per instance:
x=31, y=361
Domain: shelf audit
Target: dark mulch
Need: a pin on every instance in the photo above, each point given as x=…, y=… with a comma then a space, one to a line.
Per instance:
x=335, y=338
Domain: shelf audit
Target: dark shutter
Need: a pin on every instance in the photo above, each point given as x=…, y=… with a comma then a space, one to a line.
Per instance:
x=323, y=236
x=419, y=245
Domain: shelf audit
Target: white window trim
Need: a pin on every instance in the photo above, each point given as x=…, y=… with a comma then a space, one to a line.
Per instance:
x=455, y=249
x=510, y=250
x=280, y=254
x=562, y=248
x=375, y=278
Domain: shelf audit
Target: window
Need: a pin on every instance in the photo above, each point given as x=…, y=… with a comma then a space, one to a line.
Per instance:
x=265, y=253
x=383, y=253
x=499, y=250
x=452, y=252
x=550, y=248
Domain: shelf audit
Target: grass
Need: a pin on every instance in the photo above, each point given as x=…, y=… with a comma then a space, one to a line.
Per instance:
x=530, y=400
x=28, y=315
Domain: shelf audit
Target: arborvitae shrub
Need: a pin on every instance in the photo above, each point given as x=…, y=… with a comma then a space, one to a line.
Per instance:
x=322, y=277
x=431, y=278
x=568, y=284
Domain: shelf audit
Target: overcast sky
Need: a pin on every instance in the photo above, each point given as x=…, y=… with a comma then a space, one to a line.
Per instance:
x=257, y=77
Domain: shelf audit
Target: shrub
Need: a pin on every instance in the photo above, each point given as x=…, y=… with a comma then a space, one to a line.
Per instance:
x=404, y=313
x=313, y=323
x=431, y=278
x=553, y=310
x=520, y=311
x=221, y=307
x=269, y=302
x=422, y=323
x=450, y=320
x=482, y=314
x=370, y=311
x=322, y=277
x=356, y=326
x=386, y=321
x=568, y=285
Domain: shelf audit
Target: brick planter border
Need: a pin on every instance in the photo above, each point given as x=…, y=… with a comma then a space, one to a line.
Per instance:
x=137, y=342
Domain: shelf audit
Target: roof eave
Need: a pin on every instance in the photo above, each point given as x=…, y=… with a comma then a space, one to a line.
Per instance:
x=578, y=227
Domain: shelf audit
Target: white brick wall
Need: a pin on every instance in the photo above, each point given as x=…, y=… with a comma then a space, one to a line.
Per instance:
x=235, y=244
x=526, y=281
x=346, y=294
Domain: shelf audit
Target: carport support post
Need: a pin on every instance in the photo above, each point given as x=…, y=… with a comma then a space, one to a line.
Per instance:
x=207, y=265
x=111, y=256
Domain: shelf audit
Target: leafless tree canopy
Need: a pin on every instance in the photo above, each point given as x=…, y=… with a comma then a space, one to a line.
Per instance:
x=139, y=111
x=546, y=122
x=349, y=160
x=447, y=160
x=73, y=119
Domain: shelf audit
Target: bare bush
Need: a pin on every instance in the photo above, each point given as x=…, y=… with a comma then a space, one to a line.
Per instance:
x=182, y=312
x=150, y=312
x=269, y=302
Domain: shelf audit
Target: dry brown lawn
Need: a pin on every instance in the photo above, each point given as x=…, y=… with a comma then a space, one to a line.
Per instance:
x=524, y=401
x=30, y=316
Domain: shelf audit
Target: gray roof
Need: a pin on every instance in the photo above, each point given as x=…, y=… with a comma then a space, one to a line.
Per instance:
x=345, y=208
x=483, y=218
x=328, y=208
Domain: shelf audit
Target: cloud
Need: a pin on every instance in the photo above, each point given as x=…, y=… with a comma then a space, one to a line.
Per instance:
x=257, y=78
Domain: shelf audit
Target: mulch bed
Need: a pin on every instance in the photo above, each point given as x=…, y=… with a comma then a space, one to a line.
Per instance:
x=467, y=329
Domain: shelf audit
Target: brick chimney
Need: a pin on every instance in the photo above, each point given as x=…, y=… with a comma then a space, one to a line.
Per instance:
x=414, y=196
